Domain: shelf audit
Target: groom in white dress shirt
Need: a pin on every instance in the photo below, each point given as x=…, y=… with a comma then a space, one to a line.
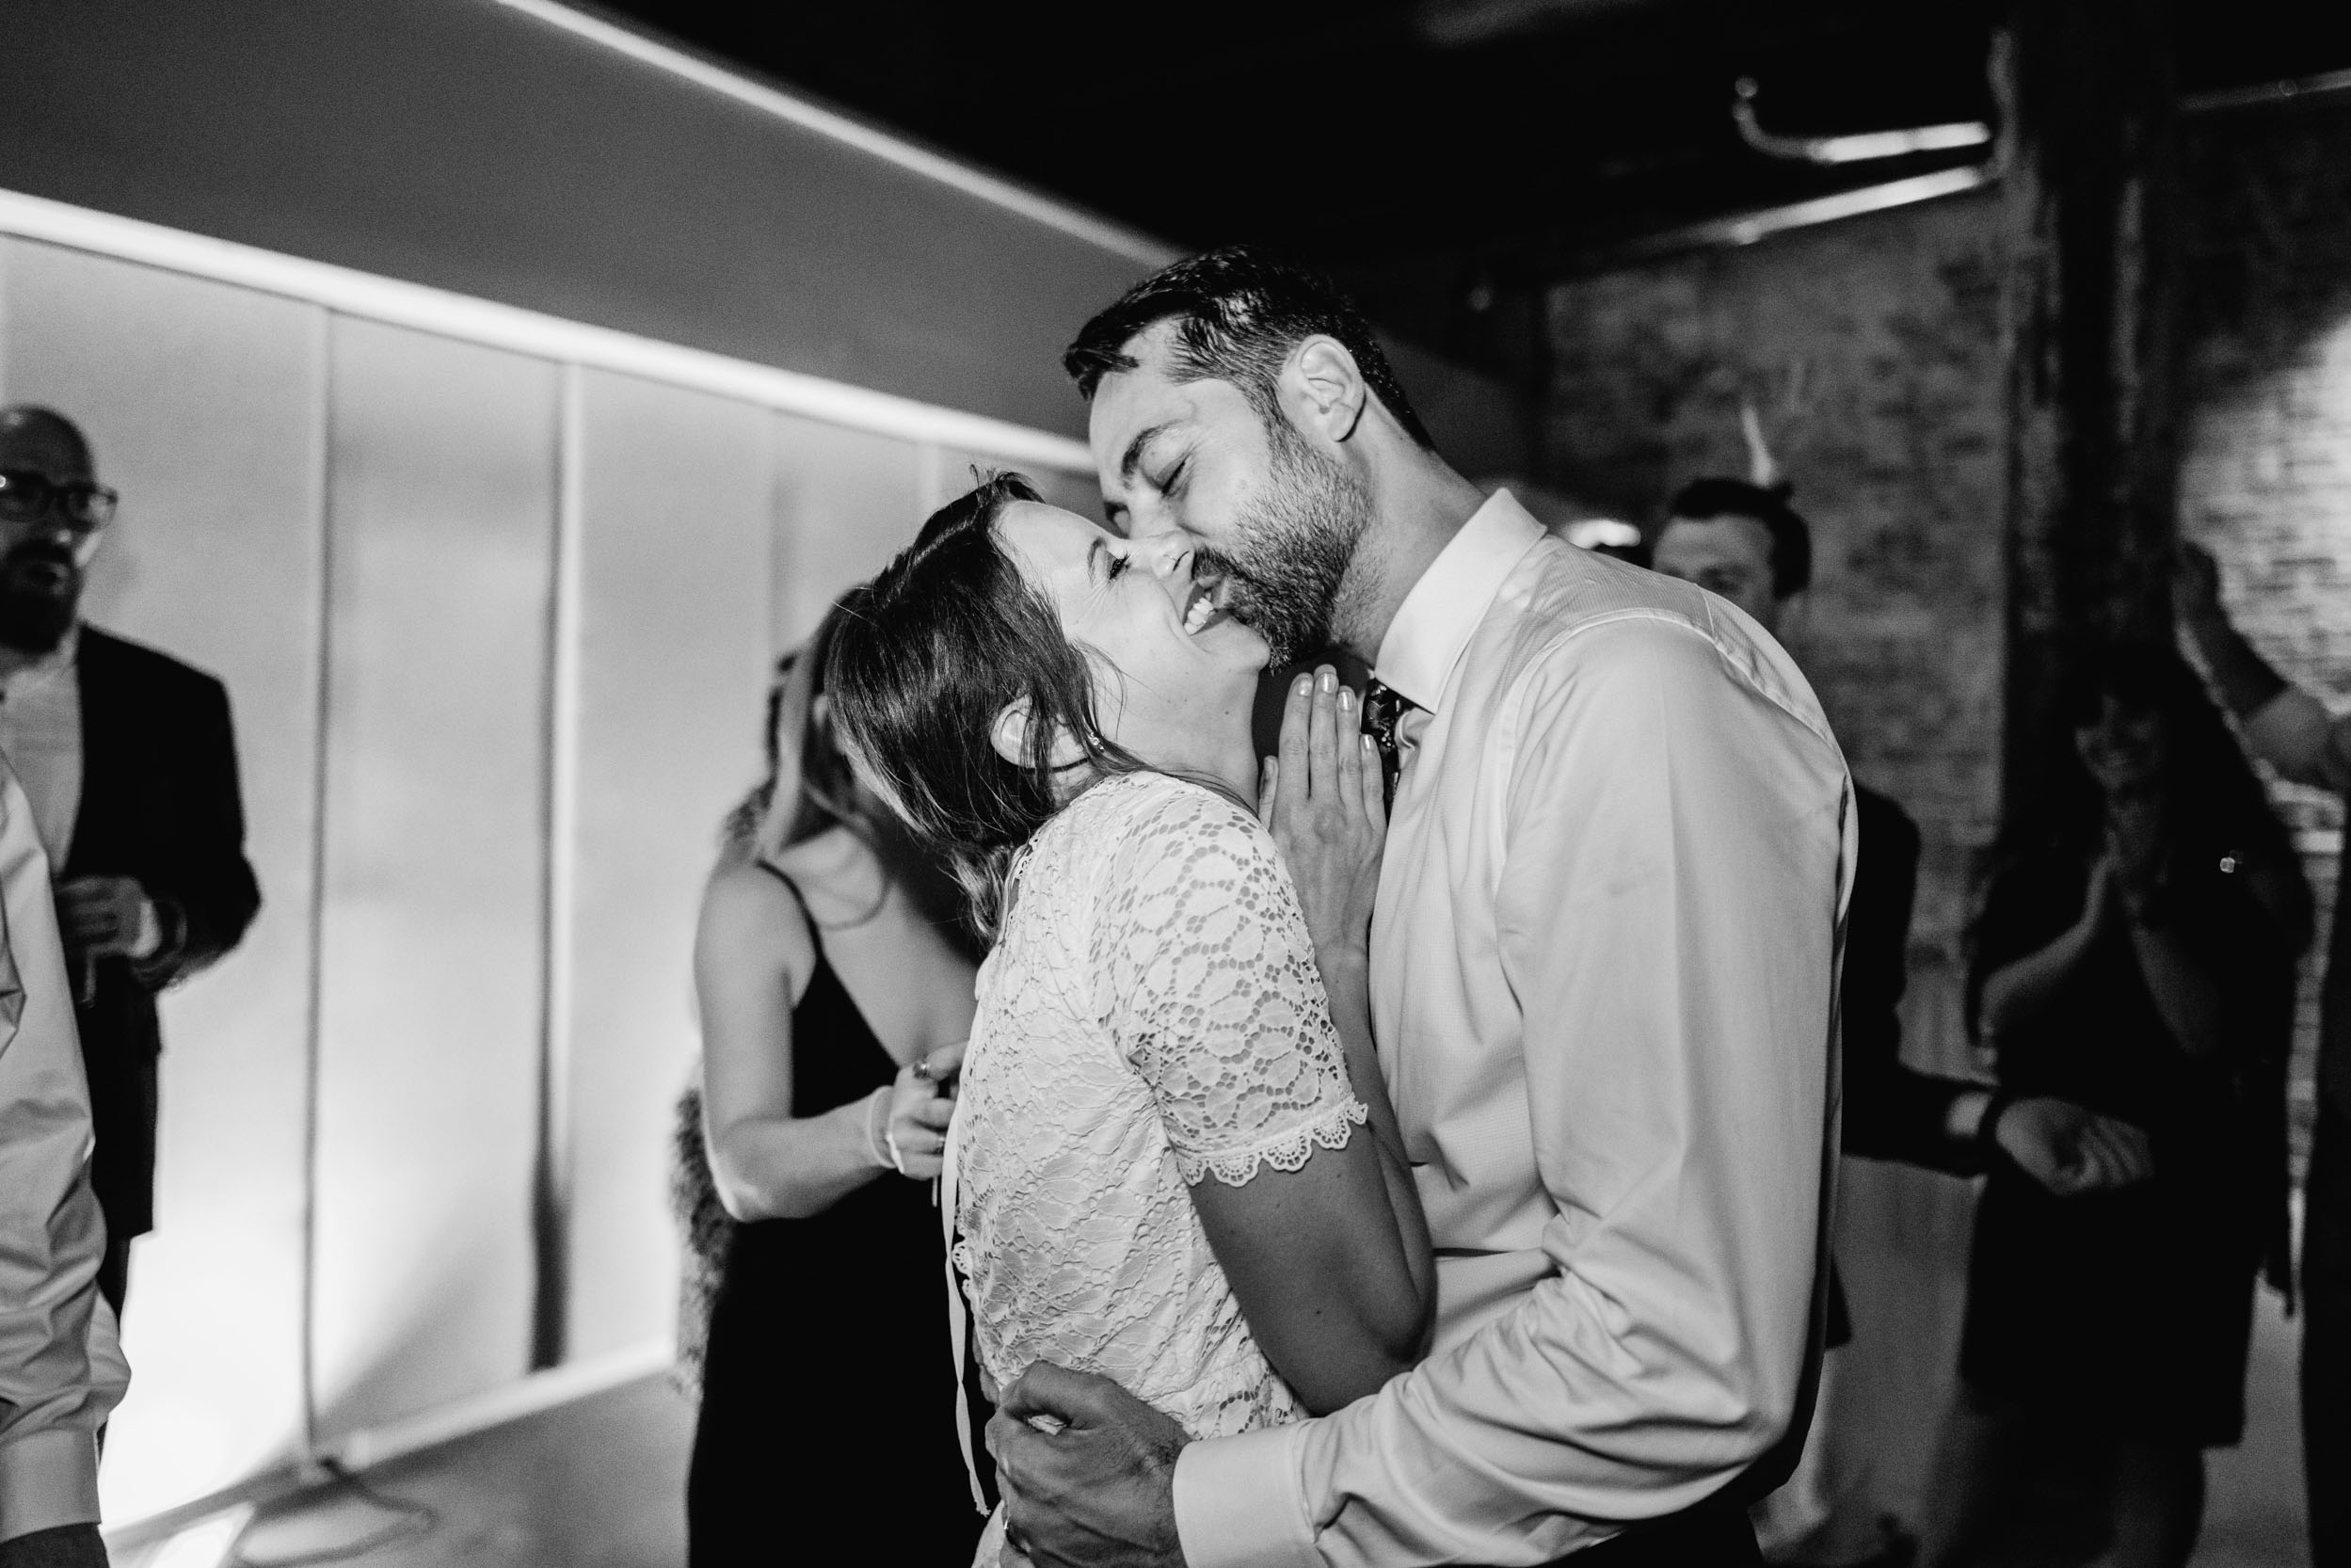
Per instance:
x=1604, y=988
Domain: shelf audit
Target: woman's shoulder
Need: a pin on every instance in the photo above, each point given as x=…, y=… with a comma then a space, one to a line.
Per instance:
x=751, y=912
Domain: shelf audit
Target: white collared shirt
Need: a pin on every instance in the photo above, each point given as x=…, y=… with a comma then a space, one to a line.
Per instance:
x=40, y=735
x=1604, y=987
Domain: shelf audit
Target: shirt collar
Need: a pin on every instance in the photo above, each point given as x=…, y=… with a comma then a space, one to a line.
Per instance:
x=1441, y=613
x=48, y=667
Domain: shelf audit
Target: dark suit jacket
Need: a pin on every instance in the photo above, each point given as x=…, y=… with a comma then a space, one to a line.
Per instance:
x=1891, y=1112
x=159, y=803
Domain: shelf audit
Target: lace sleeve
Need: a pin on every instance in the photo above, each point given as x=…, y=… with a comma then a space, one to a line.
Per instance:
x=1214, y=996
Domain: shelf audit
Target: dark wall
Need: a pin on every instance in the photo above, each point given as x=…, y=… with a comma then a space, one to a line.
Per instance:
x=465, y=145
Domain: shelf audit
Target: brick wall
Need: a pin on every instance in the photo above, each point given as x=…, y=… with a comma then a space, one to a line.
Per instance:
x=2265, y=475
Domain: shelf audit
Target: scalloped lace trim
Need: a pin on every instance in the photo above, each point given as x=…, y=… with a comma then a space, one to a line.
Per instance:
x=1290, y=1152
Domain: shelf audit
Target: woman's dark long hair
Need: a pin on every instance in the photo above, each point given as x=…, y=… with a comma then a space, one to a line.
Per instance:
x=2213, y=797
x=809, y=785
x=925, y=658
x=2208, y=784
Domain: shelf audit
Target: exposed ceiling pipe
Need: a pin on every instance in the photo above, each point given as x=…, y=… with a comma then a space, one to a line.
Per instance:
x=2323, y=85
x=1866, y=147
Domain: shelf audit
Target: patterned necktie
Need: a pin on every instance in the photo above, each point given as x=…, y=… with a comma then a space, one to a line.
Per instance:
x=1383, y=708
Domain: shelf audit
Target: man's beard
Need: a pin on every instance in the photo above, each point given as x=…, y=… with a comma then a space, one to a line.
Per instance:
x=34, y=617
x=1293, y=542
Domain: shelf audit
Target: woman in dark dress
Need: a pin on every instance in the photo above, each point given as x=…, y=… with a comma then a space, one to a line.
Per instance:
x=2135, y=955
x=834, y=1008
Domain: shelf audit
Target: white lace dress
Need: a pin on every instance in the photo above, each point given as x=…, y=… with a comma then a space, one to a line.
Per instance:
x=1151, y=1015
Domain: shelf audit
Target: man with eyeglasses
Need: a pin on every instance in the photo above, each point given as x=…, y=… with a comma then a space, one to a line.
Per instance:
x=130, y=763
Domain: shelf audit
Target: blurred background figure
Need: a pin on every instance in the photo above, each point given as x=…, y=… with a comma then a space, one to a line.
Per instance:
x=130, y=762
x=1743, y=542
x=834, y=1006
x=61, y=1370
x=2134, y=954
x=2292, y=731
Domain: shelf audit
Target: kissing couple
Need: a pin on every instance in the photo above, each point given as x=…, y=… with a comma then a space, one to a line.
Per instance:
x=1340, y=1178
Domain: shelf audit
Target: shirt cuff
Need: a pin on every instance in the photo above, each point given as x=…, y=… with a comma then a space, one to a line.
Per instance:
x=48, y=1478
x=1237, y=1503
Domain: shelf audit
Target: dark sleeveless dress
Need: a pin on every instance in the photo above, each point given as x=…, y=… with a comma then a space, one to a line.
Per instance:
x=2136, y=1307
x=827, y=1426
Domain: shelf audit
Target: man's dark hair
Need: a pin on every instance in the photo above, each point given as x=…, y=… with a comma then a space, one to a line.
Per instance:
x=1704, y=500
x=1238, y=315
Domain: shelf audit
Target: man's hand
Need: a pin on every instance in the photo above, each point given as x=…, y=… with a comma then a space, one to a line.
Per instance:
x=1101, y=1491
x=2071, y=1149
x=105, y=917
x=1322, y=801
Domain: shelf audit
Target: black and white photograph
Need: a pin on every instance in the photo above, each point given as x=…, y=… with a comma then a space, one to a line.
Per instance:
x=1229, y=784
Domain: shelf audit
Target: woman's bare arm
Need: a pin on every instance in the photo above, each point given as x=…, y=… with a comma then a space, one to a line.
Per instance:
x=1331, y=1263
x=753, y=955
x=2019, y=991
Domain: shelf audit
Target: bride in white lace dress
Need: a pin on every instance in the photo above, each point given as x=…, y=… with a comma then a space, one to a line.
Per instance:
x=1175, y=1164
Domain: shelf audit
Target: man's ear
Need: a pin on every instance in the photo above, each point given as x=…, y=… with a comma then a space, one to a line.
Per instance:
x=1322, y=388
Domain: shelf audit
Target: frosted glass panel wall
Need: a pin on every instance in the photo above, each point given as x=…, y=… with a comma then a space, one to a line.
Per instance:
x=440, y=556
x=497, y=631
x=846, y=501
x=205, y=404
x=671, y=589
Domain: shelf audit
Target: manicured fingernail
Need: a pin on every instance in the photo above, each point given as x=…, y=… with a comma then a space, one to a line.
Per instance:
x=1306, y=684
x=1346, y=696
x=1328, y=676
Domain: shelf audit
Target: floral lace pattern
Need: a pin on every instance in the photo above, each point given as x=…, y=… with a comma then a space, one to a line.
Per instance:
x=1152, y=1016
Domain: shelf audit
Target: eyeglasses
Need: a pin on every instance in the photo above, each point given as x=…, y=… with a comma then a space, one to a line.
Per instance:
x=29, y=497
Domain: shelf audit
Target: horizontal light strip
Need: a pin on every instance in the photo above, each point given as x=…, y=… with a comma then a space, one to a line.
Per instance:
x=850, y=133
x=509, y=327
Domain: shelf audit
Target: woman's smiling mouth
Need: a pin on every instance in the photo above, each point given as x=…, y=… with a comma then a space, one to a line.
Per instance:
x=1201, y=610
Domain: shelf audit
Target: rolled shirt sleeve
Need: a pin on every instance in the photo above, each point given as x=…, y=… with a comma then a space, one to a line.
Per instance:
x=1672, y=847
x=61, y=1367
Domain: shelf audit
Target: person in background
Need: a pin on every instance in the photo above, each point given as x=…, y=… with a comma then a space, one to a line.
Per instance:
x=2135, y=953
x=834, y=1010
x=129, y=759
x=61, y=1370
x=2292, y=731
x=1743, y=542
